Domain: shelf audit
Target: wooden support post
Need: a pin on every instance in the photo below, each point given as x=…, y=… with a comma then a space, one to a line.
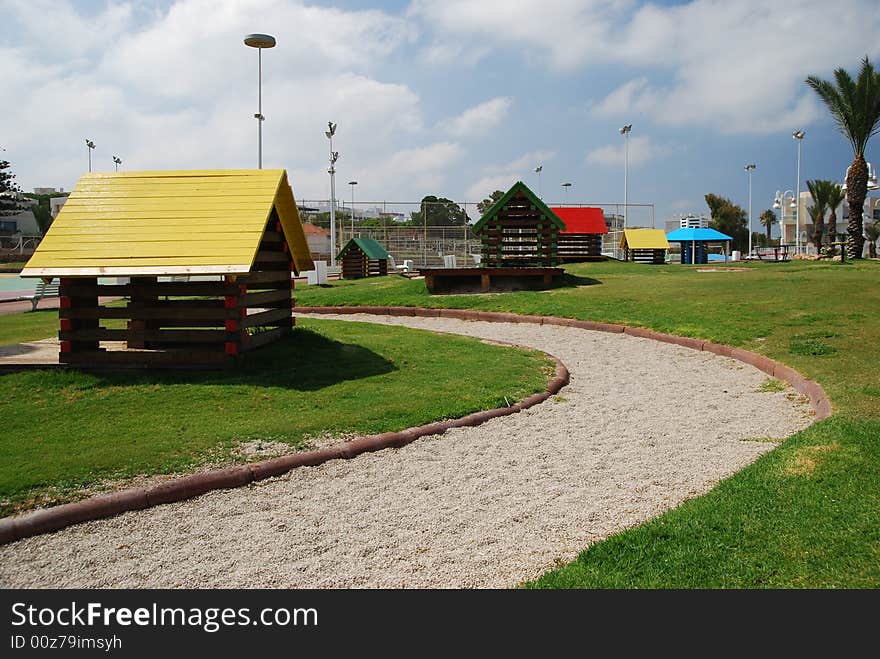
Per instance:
x=236, y=333
x=70, y=302
x=484, y=282
x=140, y=302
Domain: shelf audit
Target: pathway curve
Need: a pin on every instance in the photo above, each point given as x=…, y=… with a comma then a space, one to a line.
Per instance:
x=642, y=427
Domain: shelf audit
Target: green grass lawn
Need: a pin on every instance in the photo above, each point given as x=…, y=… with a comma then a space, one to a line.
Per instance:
x=806, y=514
x=63, y=430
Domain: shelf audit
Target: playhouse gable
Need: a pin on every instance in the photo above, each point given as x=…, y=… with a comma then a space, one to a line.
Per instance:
x=196, y=222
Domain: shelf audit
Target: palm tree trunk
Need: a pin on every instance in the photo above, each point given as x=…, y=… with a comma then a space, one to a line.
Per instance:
x=856, y=191
x=832, y=227
x=818, y=226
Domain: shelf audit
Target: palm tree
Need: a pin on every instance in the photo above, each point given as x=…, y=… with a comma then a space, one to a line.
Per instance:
x=816, y=213
x=768, y=219
x=835, y=196
x=819, y=192
x=855, y=106
x=872, y=233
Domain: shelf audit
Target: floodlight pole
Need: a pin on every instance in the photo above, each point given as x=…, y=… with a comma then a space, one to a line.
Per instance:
x=538, y=171
x=625, y=131
x=799, y=136
x=749, y=169
x=332, y=171
x=259, y=41
x=352, y=184
x=89, y=146
x=566, y=186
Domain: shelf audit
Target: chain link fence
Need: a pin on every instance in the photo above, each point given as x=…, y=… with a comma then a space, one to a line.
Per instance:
x=399, y=227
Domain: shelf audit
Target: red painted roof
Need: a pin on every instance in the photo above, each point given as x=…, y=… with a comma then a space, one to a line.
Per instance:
x=313, y=230
x=582, y=220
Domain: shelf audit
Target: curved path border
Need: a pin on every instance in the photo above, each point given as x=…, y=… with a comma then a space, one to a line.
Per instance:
x=188, y=487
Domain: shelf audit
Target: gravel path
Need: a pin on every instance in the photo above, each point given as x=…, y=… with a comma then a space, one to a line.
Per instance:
x=642, y=427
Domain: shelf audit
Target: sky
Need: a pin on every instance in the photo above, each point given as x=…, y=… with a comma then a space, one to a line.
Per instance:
x=452, y=98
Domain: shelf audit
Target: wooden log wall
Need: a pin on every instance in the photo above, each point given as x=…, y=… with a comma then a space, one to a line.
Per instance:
x=576, y=246
x=179, y=323
x=651, y=256
x=354, y=264
x=519, y=236
x=377, y=267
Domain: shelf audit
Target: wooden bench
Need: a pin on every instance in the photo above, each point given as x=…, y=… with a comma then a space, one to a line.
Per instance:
x=44, y=290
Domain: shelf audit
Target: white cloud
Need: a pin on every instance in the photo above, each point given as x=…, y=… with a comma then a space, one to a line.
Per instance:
x=631, y=97
x=161, y=98
x=311, y=40
x=485, y=186
x=564, y=33
x=52, y=28
x=425, y=159
x=478, y=120
x=642, y=149
x=502, y=176
x=736, y=66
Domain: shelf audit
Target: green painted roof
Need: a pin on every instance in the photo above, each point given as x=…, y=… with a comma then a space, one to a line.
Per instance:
x=368, y=246
x=520, y=187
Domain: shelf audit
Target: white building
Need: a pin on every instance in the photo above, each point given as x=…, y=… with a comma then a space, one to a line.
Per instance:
x=790, y=224
x=21, y=223
x=55, y=204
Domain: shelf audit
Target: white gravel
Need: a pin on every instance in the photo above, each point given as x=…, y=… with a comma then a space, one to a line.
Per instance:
x=642, y=427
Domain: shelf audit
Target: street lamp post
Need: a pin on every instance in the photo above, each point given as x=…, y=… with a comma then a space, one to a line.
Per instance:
x=625, y=131
x=799, y=136
x=749, y=169
x=89, y=146
x=334, y=156
x=566, y=186
x=117, y=162
x=538, y=170
x=352, y=184
x=259, y=41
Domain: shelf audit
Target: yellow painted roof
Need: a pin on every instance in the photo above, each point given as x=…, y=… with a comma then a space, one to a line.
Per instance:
x=644, y=239
x=168, y=222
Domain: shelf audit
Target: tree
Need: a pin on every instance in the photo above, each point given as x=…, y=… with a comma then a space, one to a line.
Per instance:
x=768, y=219
x=42, y=210
x=486, y=204
x=817, y=216
x=819, y=191
x=872, y=233
x=835, y=196
x=855, y=106
x=440, y=212
x=9, y=191
x=729, y=218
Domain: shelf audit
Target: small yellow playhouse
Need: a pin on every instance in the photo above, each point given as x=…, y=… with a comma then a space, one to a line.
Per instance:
x=203, y=261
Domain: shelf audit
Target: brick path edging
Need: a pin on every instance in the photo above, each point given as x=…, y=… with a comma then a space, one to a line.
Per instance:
x=813, y=390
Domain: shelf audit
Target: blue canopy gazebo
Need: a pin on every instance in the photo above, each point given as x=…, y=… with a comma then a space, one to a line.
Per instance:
x=695, y=243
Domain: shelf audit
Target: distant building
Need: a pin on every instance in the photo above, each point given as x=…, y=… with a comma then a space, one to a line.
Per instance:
x=687, y=222
x=55, y=204
x=21, y=223
x=790, y=225
x=318, y=240
x=48, y=190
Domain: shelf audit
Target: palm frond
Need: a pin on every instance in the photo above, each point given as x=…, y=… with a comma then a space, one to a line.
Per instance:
x=853, y=104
